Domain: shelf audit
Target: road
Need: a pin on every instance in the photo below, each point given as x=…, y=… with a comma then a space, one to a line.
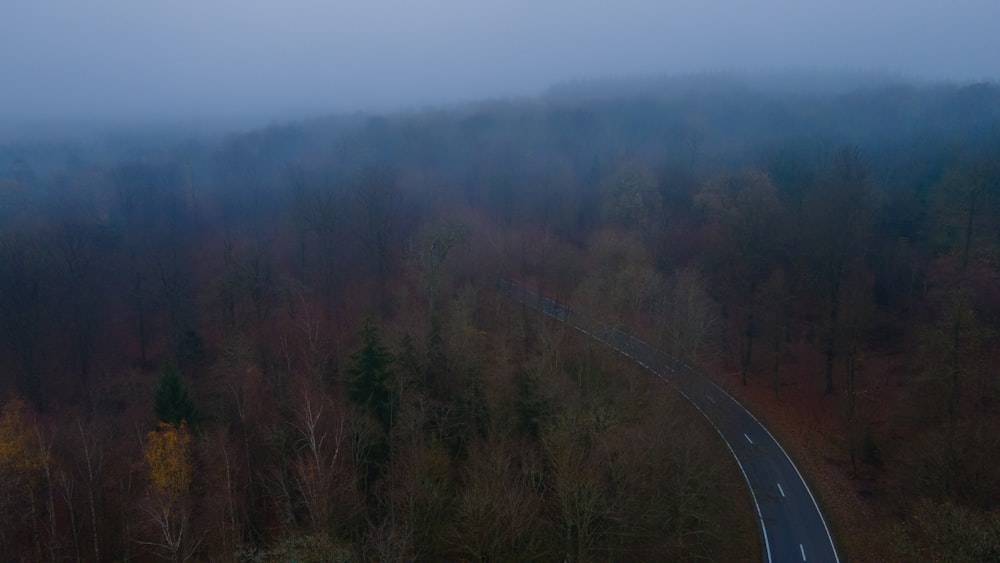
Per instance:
x=792, y=527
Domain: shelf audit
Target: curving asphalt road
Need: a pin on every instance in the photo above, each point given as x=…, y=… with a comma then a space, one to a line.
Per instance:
x=791, y=525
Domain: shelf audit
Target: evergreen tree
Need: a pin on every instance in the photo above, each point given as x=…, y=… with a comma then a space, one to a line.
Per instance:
x=371, y=376
x=172, y=404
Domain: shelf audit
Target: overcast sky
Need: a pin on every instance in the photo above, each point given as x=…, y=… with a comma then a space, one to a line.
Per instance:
x=150, y=59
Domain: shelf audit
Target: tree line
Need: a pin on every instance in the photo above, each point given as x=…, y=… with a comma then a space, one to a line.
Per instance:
x=285, y=342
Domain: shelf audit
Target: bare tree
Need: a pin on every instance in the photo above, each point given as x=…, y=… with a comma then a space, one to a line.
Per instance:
x=135, y=201
x=319, y=213
x=76, y=247
x=24, y=284
x=379, y=198
x=45, y=440
x=496, y=511
x=169, y=465
x=430, y=252
x=747, y=208
x=93, y=461
x=20, y=469
x=321, y=452
x=690, y=316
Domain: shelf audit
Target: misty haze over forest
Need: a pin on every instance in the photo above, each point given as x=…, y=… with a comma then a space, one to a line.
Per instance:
x=262, y=60
x=299, y=281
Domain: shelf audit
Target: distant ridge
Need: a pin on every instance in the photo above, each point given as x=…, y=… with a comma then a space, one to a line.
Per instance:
x=768, y=83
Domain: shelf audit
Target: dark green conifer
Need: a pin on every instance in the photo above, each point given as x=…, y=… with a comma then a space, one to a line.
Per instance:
x=371, y=376
x=172, y=403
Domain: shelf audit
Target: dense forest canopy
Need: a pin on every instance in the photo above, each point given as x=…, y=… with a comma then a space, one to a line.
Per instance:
x=287, y=343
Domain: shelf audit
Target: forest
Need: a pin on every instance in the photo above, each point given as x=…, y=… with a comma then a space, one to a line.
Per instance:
x=287, y=342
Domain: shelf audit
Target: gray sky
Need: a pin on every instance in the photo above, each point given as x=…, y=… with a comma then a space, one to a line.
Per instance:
x=151, y=59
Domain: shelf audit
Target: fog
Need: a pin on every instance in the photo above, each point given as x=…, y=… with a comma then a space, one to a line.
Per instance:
x=128, y=60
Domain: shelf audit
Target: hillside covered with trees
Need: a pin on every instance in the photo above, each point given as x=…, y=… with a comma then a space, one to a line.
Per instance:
x=288, y=343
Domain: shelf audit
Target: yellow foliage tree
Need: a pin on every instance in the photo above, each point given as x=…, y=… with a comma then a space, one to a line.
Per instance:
x=168, y=459
x=20, y=470
x=16, y=455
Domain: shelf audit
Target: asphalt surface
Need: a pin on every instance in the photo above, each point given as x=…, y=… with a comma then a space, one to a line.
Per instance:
x=792, y=527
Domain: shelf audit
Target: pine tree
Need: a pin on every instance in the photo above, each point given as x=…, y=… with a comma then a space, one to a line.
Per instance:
x=371, y=376
x=172, y=404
